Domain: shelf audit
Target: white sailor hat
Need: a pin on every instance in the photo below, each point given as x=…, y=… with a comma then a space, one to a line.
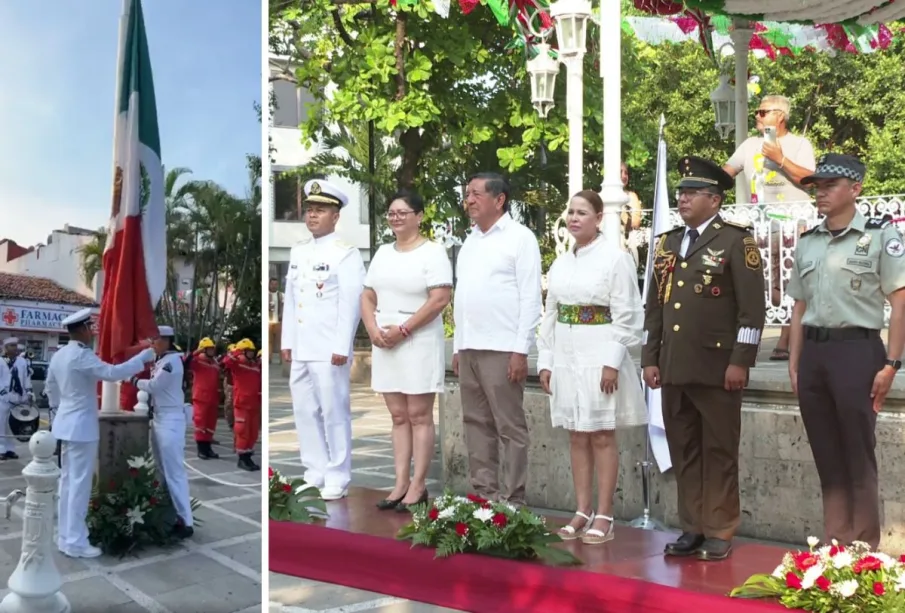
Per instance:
x=83, y=316
x=165, y=331
x=12, y=340
x=322, y=192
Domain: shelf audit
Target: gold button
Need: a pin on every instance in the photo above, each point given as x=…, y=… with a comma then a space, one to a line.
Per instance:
x=675, y=328
x=681, y=283
x=718, y=345
x=678, y=306
x=708, y=272
x=684, y=264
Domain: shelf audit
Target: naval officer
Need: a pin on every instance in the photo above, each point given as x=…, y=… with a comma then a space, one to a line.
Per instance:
x=15, y=389
x=171, y=414
x=703, y=322
x=71, y=384
x=320, y=316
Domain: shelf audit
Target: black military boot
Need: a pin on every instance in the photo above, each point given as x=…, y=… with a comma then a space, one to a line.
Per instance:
x=246, y=463
x=182, y=531
x=205, y=452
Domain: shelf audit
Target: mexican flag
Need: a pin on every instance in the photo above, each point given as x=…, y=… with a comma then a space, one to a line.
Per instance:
x=135, y=256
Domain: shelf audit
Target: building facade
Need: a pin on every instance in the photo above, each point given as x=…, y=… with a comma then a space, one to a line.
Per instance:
x=287, y=193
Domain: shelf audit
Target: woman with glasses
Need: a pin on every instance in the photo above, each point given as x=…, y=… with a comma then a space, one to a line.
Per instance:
x=408, y=285
x=593, y=317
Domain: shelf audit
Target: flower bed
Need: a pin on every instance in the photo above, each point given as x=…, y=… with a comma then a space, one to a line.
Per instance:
x=469, y=524
x=294, y=500
x=833, y=579
x=125, y=517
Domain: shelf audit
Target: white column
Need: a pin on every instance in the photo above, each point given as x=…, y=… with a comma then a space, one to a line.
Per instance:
x=741, y=43
x=613, y=196
x=35, y=584
x=575, y=116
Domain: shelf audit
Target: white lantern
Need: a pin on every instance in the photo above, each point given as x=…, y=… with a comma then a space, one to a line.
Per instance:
x=571, y=17
x=723, y=99
x=543, y=70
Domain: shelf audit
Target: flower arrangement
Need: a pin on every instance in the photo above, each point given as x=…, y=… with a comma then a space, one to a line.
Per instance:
x=138, y=512
x=294, y=500
x=470, y=524
x=833, y=579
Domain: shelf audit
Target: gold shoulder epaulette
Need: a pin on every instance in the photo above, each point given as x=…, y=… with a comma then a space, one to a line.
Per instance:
x=739, y=225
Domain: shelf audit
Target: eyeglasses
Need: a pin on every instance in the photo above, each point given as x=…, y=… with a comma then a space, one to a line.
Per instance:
x=399, y=214
x=763, y=112
x=690, y=193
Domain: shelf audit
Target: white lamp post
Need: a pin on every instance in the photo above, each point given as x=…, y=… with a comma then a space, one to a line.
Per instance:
x=571, y=18
x=543, y=70
x=723, y=99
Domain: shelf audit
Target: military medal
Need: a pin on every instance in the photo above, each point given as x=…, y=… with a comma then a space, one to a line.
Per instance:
x=707, y=279
x=863, y=245
x=698, y=288
x=715, y=291
x=321, y=274
x=856, y=283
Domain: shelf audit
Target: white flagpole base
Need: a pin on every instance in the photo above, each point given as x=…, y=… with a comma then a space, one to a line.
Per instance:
x=110, y=397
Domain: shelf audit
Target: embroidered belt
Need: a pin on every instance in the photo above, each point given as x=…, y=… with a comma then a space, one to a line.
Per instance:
x=583, y=315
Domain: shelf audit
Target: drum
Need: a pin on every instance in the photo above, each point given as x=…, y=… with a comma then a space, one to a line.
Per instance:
x=24, y=420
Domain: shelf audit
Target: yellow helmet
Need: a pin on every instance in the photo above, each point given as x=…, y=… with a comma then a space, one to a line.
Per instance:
x=231, y=347
x=205, y=343
x=259, y=352
x=245, y=345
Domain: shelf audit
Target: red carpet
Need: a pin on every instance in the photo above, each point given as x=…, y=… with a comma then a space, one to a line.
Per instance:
x=356, y=548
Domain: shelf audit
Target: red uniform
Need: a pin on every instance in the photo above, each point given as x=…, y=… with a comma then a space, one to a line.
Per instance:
x=246, y=378
x=205, y=396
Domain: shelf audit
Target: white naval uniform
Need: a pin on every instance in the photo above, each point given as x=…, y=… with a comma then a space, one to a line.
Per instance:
x=318, y=323
x=9, y=397
x=71, y=385
x=171, y=415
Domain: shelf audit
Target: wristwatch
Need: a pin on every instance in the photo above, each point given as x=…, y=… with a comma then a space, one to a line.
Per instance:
x=896, y=364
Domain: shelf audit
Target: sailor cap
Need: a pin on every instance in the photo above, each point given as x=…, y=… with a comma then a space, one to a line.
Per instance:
x=323, y=192
x=81, y=317
x=165, y=331
x=12, y=340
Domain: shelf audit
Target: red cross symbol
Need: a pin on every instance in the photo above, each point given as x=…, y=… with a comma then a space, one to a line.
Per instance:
x=10, y=317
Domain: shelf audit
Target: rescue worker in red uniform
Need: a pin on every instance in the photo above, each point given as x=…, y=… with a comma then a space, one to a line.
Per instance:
x=205, y=371
x=228, y=388
x=246, y=376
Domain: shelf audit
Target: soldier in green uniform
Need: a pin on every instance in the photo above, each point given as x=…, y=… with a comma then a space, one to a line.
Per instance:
x=845, y=269
x=703, y=320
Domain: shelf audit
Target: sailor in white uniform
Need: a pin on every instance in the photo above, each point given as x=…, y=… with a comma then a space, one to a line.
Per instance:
x=320, y=316
x=170, y=418
x=15, y=389
x=71, y=384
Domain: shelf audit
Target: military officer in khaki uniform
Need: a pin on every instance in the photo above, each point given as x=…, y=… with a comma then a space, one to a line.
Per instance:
x=845, y=269
x=703, y=322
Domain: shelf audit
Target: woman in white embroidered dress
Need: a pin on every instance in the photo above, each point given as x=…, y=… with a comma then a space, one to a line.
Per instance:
x=593, y=316
x=407, y=287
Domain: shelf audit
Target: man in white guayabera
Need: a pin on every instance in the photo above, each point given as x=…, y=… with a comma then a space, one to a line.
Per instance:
x=71, y=385
x=497, y=308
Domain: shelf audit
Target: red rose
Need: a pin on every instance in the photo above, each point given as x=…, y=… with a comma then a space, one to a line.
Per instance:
x=879, y=589
x=287, y=488
x=433, y=514
x=152, y=501
x=793, y=581
x=461, y=529
x=133, y=472
x=836, y=550
x=269, y=472
x=867, y=563
x=823, y=583
x=476, y=499
x=805, y=560
x=500, y=520
x=156, y=483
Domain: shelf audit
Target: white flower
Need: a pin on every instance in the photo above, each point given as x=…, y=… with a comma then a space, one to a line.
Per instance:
x=483, y=515
x=511, y=507
x=780, y=571
x=810, y=576
x=447, y=513
x=138, y=462
x=888, y=561
x=900, y=583
x=813, y=541
x=846, y=589
x=135, y=516
x=843, y=559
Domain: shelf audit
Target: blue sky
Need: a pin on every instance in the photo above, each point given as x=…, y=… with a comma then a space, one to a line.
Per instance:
x=57, y=81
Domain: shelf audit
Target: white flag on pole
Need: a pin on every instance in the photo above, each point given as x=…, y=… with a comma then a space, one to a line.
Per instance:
x=660, y=223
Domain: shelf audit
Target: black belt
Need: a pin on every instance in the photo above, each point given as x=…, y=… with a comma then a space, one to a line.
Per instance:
x=823, y=335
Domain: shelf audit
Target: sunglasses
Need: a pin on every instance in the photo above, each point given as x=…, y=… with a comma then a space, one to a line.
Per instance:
x=763, y=112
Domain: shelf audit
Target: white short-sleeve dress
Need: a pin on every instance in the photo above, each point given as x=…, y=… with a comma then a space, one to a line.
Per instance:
x=601, y=275
x=402, y=280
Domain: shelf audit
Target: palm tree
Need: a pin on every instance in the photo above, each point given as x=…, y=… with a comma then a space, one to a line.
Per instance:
x=91, y=256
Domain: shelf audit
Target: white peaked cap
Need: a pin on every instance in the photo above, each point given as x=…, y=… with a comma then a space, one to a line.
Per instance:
x=165, y=331
x=324, y=192
x=77, y=318
x=12, y=340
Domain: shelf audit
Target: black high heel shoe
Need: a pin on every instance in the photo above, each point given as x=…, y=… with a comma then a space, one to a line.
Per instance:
x=404, y=508
x=388, y=504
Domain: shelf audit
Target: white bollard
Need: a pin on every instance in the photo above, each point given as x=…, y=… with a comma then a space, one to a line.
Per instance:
x=34, y=586
x=142, y=407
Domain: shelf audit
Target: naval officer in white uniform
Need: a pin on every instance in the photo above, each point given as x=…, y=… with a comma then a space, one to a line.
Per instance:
x=320, y=316
x=170, y=416
x=71, y=384
x=15, y=389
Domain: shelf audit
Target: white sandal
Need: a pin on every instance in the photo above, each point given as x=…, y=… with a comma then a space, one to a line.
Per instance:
x=569, y=533
x=592, y=536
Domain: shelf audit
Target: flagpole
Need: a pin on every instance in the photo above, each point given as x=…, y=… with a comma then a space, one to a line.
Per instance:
x=645, y=521
x=110, y=389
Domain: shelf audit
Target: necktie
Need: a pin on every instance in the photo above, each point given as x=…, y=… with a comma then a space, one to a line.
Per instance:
x=693, y=235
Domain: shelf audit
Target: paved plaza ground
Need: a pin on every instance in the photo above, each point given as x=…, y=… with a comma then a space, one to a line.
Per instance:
x=216, y=571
